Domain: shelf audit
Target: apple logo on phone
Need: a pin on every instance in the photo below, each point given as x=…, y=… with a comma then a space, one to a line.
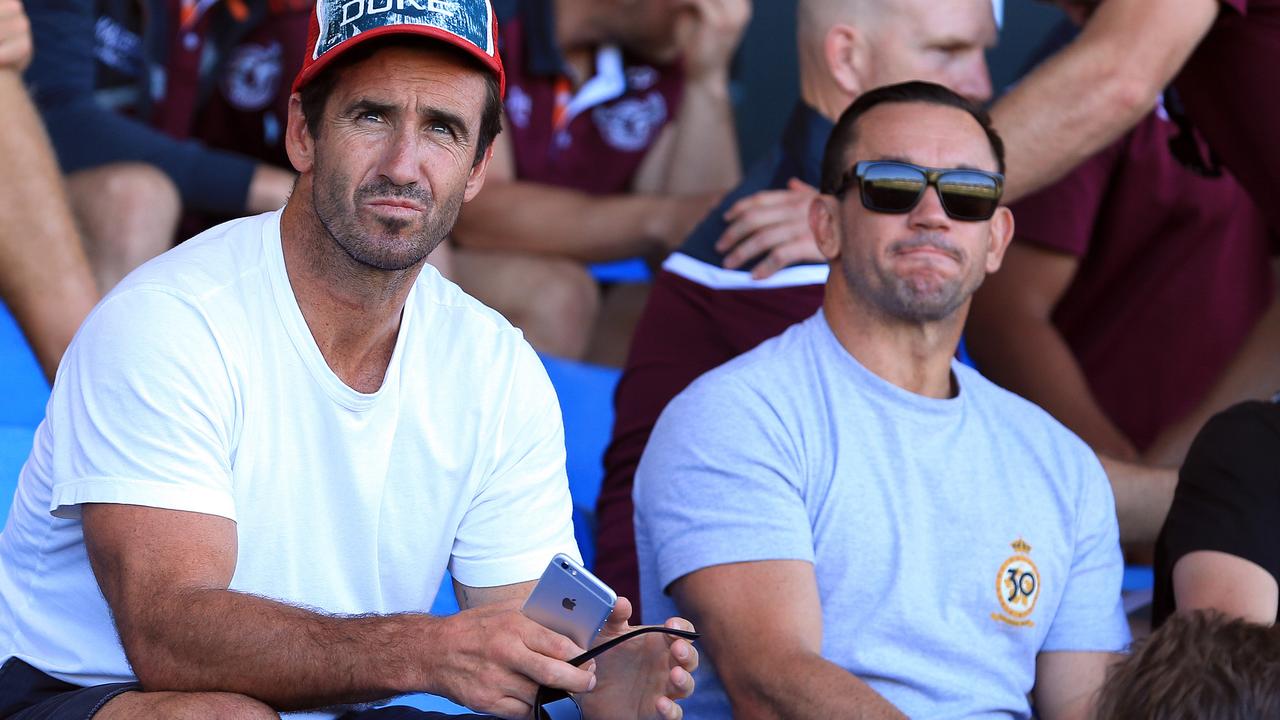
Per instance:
x=569, y=603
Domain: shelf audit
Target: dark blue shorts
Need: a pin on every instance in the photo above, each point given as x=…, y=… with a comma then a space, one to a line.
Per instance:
x=28, y=694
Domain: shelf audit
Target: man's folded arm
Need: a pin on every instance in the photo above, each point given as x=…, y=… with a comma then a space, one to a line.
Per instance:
x=166, y=575
x=761, y=624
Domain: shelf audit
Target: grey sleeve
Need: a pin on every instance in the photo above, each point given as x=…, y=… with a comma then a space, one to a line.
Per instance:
x=720, y=482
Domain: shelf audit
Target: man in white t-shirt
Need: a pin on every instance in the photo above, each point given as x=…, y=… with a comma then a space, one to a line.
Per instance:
x=902, y=536
x=264, y=447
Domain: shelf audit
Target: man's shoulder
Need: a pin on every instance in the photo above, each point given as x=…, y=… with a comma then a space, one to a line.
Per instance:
x=448, y=309
x=207, y=263
x=1019, y=420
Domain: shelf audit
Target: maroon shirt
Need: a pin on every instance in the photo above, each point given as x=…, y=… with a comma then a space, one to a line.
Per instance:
x=1231, y=92
x=599, y=150
x=1174, y=274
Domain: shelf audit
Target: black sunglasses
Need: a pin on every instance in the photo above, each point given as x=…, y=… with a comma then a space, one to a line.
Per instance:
x=896, y=187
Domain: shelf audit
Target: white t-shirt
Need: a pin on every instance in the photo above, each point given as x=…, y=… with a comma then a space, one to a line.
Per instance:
x=197, y=386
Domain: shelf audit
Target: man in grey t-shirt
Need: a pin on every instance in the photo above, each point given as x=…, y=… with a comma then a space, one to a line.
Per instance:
x=861, y=526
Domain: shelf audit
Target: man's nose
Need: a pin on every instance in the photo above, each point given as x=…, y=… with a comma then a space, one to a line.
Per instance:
x=928, y=213
x=975, y=81
x=399, y=161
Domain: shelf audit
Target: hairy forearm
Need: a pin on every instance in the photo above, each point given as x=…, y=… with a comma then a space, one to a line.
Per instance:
x=1029, y=356
x=1086, y=96
x=288, y=657
x=704, y=154
x=537, y=218
x=44, y=276
x=1143, y=496
x=800, y=686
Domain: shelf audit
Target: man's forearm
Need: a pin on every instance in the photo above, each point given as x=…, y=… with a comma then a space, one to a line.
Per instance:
x=802, y=687
x=1086, y=96
x=44, y=275
x=288, y=657
x=537, y=218
x=704, y=154
x=1143, y=496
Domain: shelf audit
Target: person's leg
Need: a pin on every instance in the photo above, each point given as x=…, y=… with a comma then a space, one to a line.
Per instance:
x=128, y=213
x=619, y=314
x=553, y=300
x=181, y=706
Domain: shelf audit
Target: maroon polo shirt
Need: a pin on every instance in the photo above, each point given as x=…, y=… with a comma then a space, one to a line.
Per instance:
x=1174, y=274
x=1232, y=95
x=600, y=149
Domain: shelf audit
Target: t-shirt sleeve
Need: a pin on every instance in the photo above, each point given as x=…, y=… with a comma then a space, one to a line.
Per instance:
x=522, y=514
x=1062, y=216
x=1228, y=496
x=718, y=483
x=1091, y=617
x=146, y=403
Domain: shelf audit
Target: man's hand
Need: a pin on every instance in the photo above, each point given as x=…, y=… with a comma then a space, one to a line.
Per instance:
x=774, y=222
x=708, y=45
x=642, y=677
x=492, y=658
x=15, y=36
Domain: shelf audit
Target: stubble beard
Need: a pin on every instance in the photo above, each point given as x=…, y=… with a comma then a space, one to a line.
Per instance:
x=392, y=244
x=911, y=299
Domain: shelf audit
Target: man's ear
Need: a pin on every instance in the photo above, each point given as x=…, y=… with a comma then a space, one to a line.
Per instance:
x=848, y=58
x=823, y=223
x=475, y=180
x=1001, y=235
x=298, y=142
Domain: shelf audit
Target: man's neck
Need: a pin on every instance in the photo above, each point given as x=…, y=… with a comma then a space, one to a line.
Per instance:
x=914, y=356
x=819, y=91
x=353, y=311
x=579, y=32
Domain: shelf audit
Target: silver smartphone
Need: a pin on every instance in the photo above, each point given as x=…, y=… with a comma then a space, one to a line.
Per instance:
x=571, y=601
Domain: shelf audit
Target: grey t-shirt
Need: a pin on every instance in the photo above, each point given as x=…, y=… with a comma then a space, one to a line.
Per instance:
x=953, y=540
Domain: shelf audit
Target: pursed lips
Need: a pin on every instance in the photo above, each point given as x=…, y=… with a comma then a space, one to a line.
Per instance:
x=397, y=205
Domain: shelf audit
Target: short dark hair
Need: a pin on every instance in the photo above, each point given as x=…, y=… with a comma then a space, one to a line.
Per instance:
x=1197, y=665
x=315, y=94
x=843, y=136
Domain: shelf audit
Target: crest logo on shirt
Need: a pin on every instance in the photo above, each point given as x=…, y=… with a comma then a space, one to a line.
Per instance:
x=629, y=125
x=253, y=75
x=519, y=106
x=1017, y=587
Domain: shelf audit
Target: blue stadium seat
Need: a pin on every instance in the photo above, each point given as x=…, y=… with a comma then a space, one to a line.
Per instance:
x=633, y=270
x=22, y=384
x=15, y=445
x=586, y=401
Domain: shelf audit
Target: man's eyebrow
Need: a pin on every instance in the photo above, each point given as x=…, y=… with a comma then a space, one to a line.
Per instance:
x=899, y=158
x=365, y=104
x=448, y=117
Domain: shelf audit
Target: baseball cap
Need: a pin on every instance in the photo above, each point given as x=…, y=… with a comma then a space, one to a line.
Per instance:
x=339, y=25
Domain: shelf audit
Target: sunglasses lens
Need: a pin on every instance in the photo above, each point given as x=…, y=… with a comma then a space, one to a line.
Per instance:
x=891, y=188
x=969, y=195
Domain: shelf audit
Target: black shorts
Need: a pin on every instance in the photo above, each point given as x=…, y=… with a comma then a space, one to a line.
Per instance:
x=28, y=694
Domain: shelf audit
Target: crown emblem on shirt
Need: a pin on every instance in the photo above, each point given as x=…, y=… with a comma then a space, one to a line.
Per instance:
x=1017, y=587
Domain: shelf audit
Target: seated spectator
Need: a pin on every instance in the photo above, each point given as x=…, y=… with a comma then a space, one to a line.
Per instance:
x=1200, y=665
x=708, y=304
x=620, y=137
x=1218, y=54
x=1137, y=294
x=1220, y=547
x=44, y=277
x=860, y=525
x=266, y=446
x=136, y=96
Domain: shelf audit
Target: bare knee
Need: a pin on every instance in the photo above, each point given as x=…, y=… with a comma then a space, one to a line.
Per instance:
x=560, y=314
x=184, y=706
x=128, y=213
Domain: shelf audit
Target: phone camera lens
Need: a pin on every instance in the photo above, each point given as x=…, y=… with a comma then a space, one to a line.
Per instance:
x=564, y=566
